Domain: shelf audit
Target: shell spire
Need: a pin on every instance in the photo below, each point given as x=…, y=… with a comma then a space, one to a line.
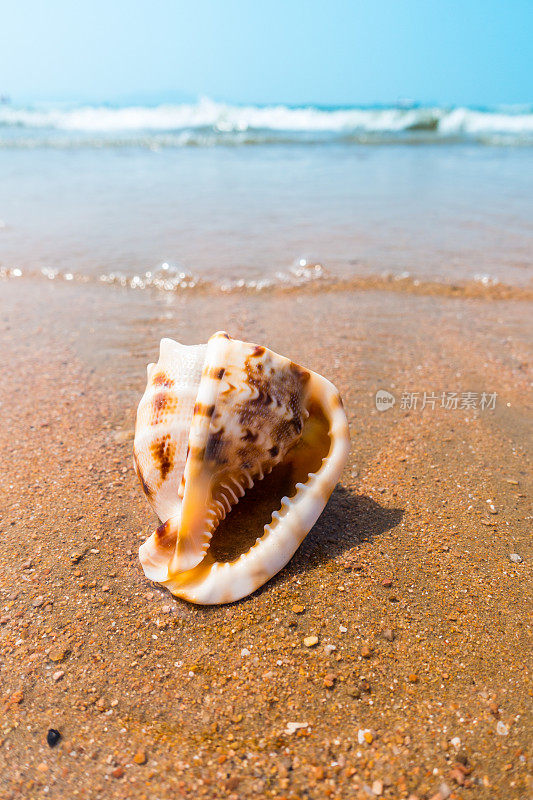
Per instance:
x=214, y=420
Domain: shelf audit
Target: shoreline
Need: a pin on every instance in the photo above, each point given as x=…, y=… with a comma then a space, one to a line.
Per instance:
x=486, y=288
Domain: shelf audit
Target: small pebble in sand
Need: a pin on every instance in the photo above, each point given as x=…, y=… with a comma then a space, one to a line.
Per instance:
x=298, y=609
x=377, y=787
x=58, y=675
x=118, y=772
x=502, y=729
x=413, y=678
x=366, y=651
x=122, y=436
x=311, y=641
x=456, y=742
x=493, y=708
x=57, y=654
x=515, y=558
x=387, y=583
x=342, y=629
x=166, y=609
x=52, y=737
x=388, y=634
x=329, y=648
x=37, y=603
x=364, y=735
x=292, y=727
x=329, y=680
x=457, y=776
x=140, y=757
x=245, y=652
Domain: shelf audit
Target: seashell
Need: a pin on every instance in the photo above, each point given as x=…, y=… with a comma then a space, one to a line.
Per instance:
x=216, y=419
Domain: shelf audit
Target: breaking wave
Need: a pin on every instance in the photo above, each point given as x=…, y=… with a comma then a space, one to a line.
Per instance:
x=208, y=123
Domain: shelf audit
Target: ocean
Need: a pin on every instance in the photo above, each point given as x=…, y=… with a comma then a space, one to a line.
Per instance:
x=209, y=195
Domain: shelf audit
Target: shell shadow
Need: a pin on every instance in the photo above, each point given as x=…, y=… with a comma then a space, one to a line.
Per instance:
x=347, y=520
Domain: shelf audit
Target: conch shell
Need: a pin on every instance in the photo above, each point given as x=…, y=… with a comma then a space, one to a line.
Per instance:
x=214, y=419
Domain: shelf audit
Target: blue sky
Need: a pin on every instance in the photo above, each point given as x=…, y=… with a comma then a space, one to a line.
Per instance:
x=291, y=51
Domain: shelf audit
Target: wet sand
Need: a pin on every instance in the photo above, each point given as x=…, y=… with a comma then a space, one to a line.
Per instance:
x=419, y=684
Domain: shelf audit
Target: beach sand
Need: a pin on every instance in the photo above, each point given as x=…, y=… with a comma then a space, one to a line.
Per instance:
x=419, y=684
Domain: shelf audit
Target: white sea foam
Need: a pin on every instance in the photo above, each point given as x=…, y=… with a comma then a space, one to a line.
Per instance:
x=301, y=276
x=219, y=116
x=170, y=278
x=465, y=120
x=207, y=122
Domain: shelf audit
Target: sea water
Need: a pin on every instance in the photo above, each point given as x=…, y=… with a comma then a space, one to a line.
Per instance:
x=177, y=196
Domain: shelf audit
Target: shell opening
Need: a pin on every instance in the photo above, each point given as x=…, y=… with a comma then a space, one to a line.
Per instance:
x=251, y=517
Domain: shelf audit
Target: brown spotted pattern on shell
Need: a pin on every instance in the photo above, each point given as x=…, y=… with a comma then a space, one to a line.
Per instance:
x=214, y=420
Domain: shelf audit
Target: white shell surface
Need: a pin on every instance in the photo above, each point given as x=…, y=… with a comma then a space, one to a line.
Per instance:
x=250, y=411
x=162, y=430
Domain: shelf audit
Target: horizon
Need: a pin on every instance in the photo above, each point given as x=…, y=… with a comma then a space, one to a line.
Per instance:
x=160, y=99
